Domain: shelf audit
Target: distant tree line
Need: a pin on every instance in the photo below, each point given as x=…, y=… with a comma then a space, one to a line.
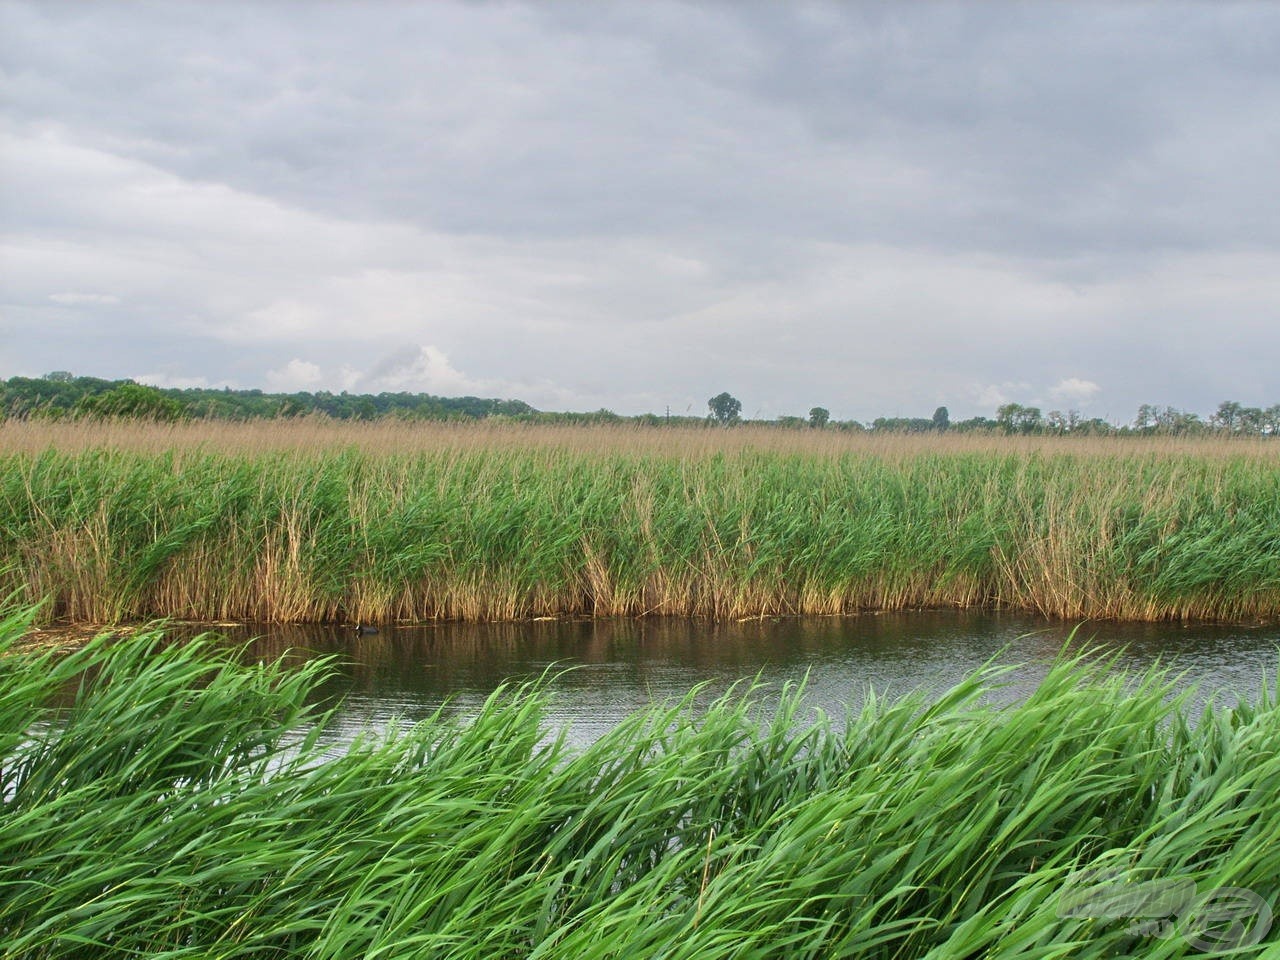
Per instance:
x=1230, y=418
x=61, y=395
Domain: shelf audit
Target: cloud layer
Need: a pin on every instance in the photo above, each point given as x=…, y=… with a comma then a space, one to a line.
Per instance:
x=876, y=208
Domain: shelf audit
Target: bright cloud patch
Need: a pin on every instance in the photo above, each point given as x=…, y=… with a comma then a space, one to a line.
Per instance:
x=994, y=395
x=416, y=368
x=1075, y=390
x=170, y=382
x=423, y=369
x=295, y=375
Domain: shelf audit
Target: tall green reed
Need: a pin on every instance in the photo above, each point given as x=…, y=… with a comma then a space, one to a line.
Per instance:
x=170, y=801
x=511, y=533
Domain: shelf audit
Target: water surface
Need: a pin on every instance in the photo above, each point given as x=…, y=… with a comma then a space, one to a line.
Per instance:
x=605, y=669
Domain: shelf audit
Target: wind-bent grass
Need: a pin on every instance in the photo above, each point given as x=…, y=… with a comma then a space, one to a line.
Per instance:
x=316, y=522
x=160, y=801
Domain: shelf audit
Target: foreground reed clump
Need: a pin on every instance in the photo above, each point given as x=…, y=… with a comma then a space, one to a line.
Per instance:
x=316, y=522
x=166, y=801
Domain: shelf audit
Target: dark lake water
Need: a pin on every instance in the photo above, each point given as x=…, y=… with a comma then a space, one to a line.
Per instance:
x=605, y=669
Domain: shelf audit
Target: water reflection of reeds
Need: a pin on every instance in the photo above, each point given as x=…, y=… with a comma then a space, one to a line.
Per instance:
x=614, y=665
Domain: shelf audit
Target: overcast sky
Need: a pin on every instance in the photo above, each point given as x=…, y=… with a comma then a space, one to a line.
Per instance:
x=875, y=208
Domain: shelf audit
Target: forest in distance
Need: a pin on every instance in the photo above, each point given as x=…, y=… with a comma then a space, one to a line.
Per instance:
x=62, y=395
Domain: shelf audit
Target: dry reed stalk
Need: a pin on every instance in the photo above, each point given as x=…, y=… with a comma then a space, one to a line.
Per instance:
x=312, y=436
x=485, y=522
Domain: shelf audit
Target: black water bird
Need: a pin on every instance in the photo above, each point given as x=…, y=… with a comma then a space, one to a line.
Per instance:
x=365, y=629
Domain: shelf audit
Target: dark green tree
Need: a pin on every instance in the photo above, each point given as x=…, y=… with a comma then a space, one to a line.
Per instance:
x=941, y=419
x=725, y=409
x=1252, y=420
x=901, y=425
x=1166, y=420
x=818, y=417
x=1015, y=418
x=1271, y=420
x=1228, y=416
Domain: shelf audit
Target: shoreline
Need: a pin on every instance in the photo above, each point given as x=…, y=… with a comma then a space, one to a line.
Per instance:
x=70, y=636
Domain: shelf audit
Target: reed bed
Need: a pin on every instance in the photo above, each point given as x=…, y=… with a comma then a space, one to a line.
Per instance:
x=323, y=522
x=167, y=800
x=390, y=437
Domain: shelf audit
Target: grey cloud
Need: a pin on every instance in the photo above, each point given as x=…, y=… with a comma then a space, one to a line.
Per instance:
x=864, y=205
x=1044, y=125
